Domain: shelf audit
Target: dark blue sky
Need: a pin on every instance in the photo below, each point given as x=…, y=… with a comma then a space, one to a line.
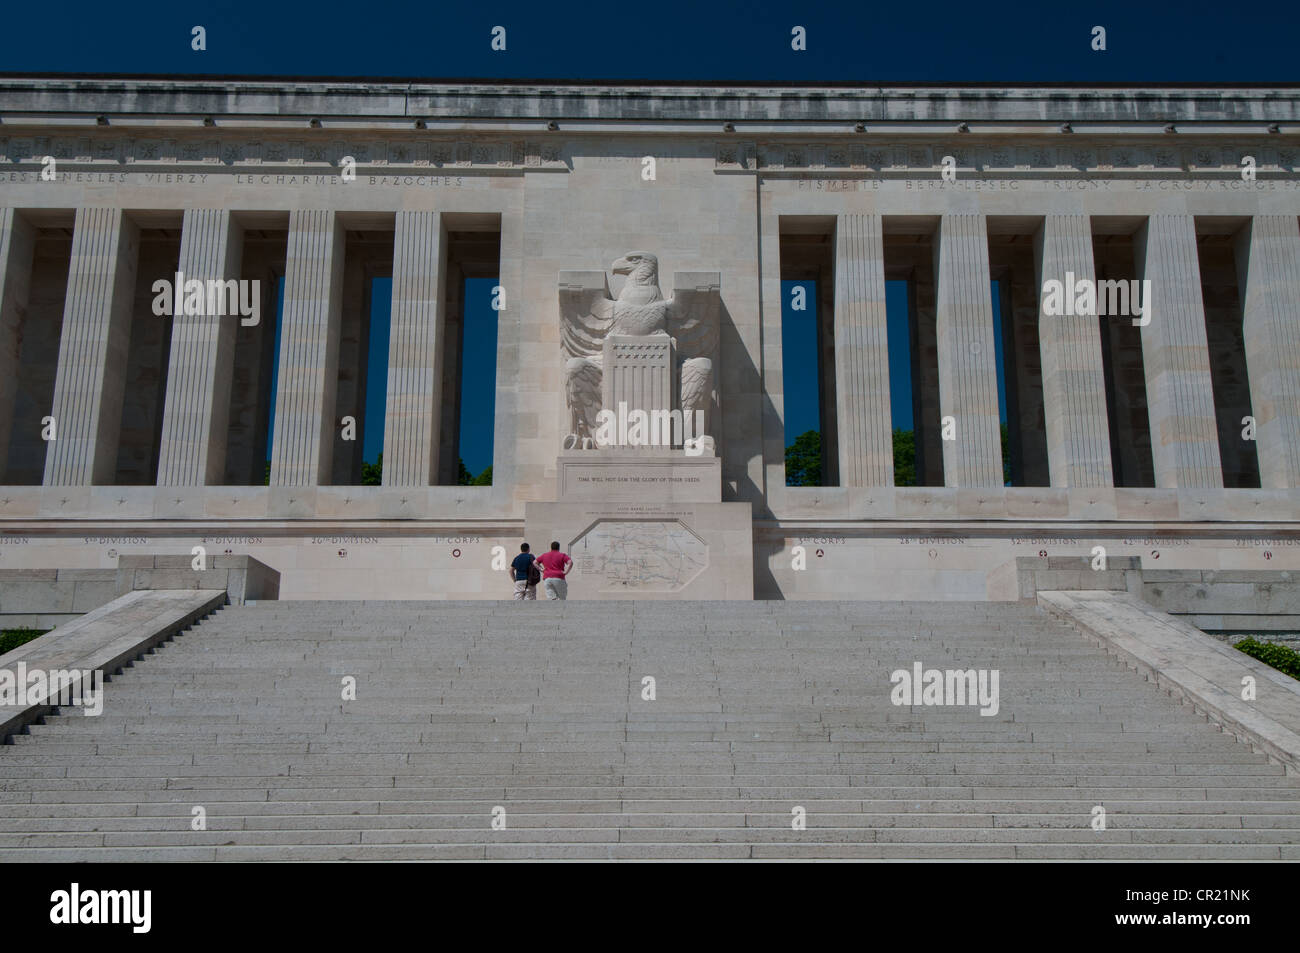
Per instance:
x=935, y=40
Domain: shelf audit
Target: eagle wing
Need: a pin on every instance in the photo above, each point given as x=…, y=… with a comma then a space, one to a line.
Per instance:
x=693, y=312
x=586, y=312
x=697, y=386
x=582, y=390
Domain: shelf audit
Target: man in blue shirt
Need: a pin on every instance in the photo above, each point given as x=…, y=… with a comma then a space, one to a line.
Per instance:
x=520, y=571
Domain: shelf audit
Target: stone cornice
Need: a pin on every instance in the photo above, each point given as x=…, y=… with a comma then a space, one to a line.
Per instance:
x=311, y=155
x=297, y=102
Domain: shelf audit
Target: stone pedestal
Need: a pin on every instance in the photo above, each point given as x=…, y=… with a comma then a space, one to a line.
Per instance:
x=646, y=523
x=649, y=550
x=638, y=475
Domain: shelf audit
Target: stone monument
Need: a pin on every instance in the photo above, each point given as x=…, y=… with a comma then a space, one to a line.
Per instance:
x=638, y=481
x=632, y=403
x=631, y=350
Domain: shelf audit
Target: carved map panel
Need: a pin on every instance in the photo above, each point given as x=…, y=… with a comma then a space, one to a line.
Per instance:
x=640, y=555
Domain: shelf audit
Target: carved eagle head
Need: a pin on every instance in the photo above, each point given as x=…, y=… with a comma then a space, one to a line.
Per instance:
x=641, y=268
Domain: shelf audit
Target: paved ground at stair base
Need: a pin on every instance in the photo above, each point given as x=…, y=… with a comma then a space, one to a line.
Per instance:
x=537, y=708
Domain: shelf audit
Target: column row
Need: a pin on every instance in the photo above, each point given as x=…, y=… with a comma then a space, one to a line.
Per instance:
x=1175, y=353
x=90, y=377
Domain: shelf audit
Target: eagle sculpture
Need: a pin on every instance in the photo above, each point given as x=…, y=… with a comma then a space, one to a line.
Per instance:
x=588, y=314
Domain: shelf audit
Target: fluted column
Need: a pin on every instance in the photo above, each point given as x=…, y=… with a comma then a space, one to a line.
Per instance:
x=303, y=438
x=968, y=372
x=1074, y=381
x=866, y=443
x=1268, y=264
x=415, y=351
x=90, y=379
x=17, y=241
x=1176, y=357
x=196, y=417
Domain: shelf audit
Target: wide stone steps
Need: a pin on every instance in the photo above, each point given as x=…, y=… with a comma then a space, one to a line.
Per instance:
x=597, y=820
x=803, y=850
x=898, y=808
x=537, y=709
x=632, y=835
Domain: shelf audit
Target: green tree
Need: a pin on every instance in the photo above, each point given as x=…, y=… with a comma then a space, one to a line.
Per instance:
x=464, y=478
x=372, y=474
x=904, y=457
x=484, y=478
x=803, y=460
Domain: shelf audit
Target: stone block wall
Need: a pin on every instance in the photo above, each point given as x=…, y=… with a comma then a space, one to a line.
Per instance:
x=46, y=598
x=243, y=578
x=1232, y=602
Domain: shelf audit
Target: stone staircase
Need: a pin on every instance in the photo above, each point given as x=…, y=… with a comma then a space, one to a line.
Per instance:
x=537, y=708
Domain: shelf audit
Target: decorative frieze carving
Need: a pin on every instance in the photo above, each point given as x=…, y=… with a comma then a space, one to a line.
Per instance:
x=261, y=153
x=1007, y=157
x=876, y=155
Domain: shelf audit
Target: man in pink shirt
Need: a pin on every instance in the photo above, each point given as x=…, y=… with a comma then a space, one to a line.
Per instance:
x=555, y=566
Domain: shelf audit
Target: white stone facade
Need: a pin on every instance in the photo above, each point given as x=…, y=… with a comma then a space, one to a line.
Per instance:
x=96, y=173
